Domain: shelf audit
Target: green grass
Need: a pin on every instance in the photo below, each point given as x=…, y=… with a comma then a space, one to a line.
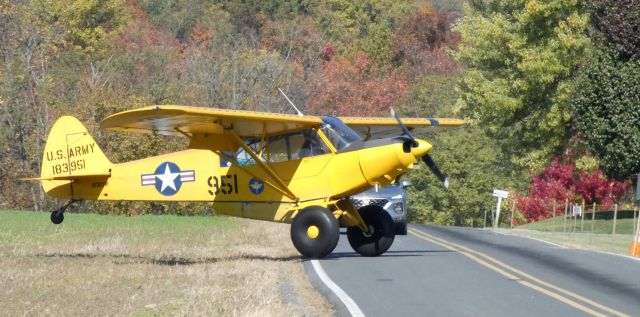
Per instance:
x=601, y=226
x=34, y=230
x=575, y=233
x=156, y=265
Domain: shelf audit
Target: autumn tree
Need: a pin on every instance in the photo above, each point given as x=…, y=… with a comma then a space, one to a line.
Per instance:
x=297, y=40
x=354, y=87
x=421, y=41
x=568, y=180
x=619, y=22
x=41, y=40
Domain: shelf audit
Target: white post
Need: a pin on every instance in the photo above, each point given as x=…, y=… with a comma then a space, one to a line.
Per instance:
x=495, y=223
x=635, y=235
x=513, y=209
x=498, y=193
x=553, y=226
x=615, y=219
x=635, y=208
x=566, y=209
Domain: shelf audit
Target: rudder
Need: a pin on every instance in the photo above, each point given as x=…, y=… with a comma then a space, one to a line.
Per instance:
x=71, y=153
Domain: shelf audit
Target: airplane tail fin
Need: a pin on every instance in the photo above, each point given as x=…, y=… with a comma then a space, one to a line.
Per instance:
x=71, y=153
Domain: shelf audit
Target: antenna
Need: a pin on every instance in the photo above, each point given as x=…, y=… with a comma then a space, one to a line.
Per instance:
x=291, y=103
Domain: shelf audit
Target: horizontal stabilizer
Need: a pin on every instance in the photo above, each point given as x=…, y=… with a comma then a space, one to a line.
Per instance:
x=65, y=177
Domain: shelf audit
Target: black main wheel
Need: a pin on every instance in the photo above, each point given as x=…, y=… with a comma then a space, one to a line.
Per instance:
x=315, y=232
x=381, y=232
x=57, y=217
x=401, y=229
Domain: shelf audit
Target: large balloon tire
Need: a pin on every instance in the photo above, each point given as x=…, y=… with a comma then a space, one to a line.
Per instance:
x=380, y=240
x=401, y=229
x=319, y=242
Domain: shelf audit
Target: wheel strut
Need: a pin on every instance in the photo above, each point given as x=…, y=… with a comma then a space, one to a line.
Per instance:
x=57, y=216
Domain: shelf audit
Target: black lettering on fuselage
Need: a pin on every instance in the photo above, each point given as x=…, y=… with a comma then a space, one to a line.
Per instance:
x=81, y=150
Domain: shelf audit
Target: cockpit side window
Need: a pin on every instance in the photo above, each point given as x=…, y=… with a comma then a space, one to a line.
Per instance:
x=339, y=133
x=284, y=148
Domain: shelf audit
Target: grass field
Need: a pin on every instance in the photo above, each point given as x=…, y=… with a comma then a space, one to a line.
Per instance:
x=576, y=234
x=601, y=226
x=150, y=266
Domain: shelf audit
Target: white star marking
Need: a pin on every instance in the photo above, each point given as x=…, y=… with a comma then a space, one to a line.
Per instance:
x=168, y=178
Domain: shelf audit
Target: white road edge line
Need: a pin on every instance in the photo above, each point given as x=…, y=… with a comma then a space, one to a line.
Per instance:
x=567, y=247
x=353, y=308
x=531, y=238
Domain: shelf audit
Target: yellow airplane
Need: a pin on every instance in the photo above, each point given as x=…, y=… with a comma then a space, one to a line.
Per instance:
x=276, y=167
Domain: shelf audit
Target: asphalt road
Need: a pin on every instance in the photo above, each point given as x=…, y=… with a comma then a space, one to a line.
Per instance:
x=443, y=271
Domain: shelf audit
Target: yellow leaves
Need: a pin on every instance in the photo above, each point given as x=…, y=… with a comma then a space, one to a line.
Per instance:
x=570, y=32
x=534, y=8
x=81, y=23
x=587, y=164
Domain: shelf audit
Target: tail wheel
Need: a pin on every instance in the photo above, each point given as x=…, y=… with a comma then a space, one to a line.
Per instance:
x=381, y=232
x=57, y=217
x=315, y=232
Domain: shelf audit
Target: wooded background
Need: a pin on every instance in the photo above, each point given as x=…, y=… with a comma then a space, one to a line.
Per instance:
x=551, y=88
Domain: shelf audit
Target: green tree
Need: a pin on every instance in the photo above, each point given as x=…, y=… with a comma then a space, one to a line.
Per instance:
x=475, y=167
x=607, y=106
x=472, y=160
x=362, y=26
x=607, y=92
x=521, y=58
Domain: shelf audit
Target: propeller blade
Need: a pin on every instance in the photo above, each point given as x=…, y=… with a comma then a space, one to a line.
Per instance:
x=414, y=143
x=434, y=168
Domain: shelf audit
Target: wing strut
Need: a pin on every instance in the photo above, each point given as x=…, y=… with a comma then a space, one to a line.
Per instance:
x=282, y=187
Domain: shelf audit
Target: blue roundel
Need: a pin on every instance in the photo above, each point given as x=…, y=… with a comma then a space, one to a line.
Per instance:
x=168, y=180
x=256, y=186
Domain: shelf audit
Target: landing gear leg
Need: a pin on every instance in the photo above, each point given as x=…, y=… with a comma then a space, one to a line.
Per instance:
x=57, y=216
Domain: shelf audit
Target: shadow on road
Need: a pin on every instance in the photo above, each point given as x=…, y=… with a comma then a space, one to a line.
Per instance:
x=388, y=254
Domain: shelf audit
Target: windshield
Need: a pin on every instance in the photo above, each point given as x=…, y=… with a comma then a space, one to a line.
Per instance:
x=339, y=133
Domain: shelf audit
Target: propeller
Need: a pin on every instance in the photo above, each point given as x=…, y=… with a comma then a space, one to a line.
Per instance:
x=427, y=159
x=414, y=143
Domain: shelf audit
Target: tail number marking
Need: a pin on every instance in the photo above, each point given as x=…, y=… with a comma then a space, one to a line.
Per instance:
x=68, y=167
x=225, y=184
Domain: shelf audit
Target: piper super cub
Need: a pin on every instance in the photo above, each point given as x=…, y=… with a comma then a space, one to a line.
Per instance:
x=276, y=167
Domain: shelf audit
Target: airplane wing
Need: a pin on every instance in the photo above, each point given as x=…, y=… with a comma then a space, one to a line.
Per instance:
x=381, y=127
x=181, y=120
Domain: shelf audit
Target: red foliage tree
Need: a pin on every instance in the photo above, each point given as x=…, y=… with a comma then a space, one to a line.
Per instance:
x=561, y=181
x=354, y=87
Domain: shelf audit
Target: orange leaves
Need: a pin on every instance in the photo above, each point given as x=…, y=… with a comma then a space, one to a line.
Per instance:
x=346, y=87
x=421, y=41
x=202, y=36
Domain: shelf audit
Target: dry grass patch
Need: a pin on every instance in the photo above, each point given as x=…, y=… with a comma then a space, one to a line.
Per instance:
x=151, y=266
